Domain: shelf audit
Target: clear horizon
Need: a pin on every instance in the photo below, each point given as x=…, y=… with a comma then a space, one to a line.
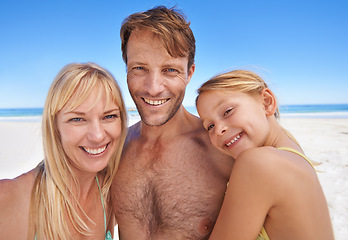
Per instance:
x=299, y=48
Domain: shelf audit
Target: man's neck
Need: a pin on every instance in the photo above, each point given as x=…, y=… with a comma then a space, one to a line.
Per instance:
x=175, y=126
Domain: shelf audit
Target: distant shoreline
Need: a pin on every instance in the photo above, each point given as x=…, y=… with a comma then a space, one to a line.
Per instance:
x=286, y=111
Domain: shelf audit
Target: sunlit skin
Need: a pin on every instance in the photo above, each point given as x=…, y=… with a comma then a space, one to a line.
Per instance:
x=268, y=187
x=235, y=121
x=156, y=80
x=171, y=181
x=90, y=133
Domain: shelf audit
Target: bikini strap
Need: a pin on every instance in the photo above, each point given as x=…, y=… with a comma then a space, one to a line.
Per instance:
x=298, y=153
x=102, y=201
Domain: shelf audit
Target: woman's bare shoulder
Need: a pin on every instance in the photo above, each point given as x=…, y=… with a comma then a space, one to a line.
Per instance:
x=15, y=197
x=15, y=193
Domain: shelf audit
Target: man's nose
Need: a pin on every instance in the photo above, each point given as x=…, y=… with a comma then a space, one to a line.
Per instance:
x=154, y=84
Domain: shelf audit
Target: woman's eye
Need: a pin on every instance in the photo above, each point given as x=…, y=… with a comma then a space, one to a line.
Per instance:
x=111, y=116
x=75, y=120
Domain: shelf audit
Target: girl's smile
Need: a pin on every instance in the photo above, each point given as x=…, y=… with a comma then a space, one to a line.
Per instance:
x=235, y=121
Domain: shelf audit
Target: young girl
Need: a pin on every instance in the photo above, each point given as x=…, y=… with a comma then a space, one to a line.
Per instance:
x=273, y=192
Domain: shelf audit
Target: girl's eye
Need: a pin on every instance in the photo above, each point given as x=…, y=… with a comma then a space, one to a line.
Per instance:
x=210, y=127
x=227, y=111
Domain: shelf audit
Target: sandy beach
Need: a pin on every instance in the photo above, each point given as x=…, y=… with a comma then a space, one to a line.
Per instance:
x=324, y=140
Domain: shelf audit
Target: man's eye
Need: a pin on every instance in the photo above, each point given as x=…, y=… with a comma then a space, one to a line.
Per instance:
x=171, y=71
x=210, y=127
x=136, y=69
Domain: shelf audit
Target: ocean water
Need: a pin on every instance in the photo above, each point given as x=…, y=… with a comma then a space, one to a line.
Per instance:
x=309, y=110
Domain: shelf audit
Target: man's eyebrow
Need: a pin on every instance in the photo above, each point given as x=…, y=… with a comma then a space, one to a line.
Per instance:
x=173, y=65
x=136, y=63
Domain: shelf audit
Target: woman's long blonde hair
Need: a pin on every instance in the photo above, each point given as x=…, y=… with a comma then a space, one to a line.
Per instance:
x=242, y=81
x=53, y=205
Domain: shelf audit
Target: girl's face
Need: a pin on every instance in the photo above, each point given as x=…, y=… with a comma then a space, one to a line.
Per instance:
x=90, y=133
x=235, y=121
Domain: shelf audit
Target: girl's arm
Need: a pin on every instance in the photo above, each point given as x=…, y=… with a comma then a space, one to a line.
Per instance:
x=252, y=191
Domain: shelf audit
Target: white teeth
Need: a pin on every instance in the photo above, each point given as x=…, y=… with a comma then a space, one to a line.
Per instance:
x=95, y=151
x=234, y=140
x=156, y=102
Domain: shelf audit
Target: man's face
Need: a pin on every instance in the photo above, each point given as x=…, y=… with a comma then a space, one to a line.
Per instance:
x=156, y=81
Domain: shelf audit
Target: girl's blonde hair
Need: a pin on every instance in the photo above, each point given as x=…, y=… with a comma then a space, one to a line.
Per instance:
x=53, y=205
x=238, y=80
x=241, y=81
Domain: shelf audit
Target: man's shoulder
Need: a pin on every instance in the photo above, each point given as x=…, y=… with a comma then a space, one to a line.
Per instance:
x=133, y=132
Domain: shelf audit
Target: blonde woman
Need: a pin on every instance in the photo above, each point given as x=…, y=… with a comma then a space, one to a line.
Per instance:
x=273, y=192
x=67, y=195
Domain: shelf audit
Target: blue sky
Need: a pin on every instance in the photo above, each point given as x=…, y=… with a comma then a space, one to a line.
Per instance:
x=300, y=47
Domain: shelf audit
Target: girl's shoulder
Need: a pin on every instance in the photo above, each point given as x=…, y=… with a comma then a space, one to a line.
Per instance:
x=271, y=161
x=264, y=156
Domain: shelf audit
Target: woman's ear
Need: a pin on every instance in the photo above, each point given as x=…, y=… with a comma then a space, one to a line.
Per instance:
x=269, y=101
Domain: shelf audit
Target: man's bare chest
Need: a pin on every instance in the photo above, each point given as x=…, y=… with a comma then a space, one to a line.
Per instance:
x=167, y=191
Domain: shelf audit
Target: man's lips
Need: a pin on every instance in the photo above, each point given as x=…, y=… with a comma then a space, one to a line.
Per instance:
x=155, y=102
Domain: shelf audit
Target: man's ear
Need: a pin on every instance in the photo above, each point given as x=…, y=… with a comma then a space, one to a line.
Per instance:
x=269, y=101
x=191, y=70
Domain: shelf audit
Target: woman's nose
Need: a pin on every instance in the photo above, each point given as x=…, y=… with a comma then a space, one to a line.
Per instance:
x=96, y=131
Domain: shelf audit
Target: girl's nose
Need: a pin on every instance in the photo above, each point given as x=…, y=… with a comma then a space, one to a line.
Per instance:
x=220, y=129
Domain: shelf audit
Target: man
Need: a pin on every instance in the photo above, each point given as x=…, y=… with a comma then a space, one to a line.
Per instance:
x=171, y=181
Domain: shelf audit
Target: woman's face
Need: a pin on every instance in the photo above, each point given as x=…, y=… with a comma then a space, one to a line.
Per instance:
x=90, y=133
